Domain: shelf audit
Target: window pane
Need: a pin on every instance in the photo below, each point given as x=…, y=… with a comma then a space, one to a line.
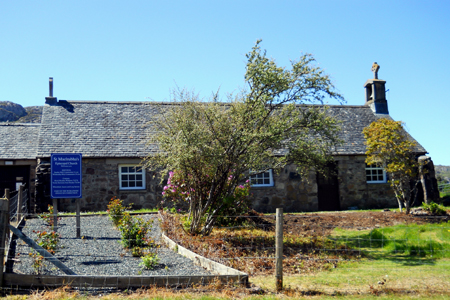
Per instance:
x=139, y=177
x=124, y=183
x=124, y=169
x=132, y=184
x=124, y=177
x=139, y=184
x=131, y=177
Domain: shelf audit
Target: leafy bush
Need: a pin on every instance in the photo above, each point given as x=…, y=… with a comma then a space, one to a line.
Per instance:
x=149, y=261
x=49, y=241
x=434, y=208
x=116, y=209
x=134, y=231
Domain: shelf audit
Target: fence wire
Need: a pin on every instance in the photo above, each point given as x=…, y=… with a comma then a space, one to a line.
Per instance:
x=322, y=256
x=13, y=200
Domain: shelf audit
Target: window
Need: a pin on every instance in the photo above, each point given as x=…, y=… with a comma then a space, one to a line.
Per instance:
x=131, y=177
x=375, y=174
x=262, y=178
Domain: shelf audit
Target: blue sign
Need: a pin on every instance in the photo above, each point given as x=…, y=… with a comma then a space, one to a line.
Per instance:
x=66, y=175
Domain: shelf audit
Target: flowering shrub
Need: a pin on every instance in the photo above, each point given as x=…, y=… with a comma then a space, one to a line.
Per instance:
x=134, y=231
x=116, y=209
x=233, y=201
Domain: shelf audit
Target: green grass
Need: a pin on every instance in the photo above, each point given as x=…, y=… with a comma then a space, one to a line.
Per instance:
x=431, y=241
x=412, y=262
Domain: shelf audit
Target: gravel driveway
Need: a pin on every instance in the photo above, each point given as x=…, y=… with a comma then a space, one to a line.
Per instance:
x=99, y=252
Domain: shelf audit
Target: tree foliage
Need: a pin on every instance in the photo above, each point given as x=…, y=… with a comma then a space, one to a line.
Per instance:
x=214, y=144
x=388, y=145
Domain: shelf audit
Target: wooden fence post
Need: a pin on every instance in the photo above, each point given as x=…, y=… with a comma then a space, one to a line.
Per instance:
x=19, y=204
x=279, y=249
x=4, y=229
x=55, y=215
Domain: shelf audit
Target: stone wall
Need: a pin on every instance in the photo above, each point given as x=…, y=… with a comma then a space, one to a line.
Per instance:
x=100, y=182
x=290, y=192
x=295, y=194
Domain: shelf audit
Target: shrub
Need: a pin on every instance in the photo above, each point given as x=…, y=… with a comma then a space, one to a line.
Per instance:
x=49, y=241
x=434, y=208
x=134, y=231
x=116, y=209
x=149, y=261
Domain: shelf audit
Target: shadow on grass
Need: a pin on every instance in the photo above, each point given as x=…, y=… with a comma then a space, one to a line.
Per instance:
x=407, y=250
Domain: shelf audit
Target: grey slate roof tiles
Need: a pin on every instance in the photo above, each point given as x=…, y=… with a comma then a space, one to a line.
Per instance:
x=118, y=129
x=96, y=129
x=353, y=119
x=18, y=141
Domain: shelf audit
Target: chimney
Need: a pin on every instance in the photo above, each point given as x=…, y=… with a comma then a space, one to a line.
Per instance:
x=50, y=99
x=376, y=93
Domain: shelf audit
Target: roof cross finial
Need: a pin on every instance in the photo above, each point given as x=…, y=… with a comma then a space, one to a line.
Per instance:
x=375, y=68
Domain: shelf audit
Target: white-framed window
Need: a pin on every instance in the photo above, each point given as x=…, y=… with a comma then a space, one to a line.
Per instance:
x=375, y=174
x=131, y=177
x=262, y=178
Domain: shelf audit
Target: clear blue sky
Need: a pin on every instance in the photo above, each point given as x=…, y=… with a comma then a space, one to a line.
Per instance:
x=139, y=50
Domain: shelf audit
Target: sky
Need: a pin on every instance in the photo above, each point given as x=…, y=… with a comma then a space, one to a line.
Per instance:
x=141, y=50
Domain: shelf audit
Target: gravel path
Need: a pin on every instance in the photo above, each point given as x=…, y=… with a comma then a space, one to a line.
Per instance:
x=100, y=251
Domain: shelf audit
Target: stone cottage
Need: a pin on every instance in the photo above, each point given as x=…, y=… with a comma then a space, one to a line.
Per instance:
x=112, y=136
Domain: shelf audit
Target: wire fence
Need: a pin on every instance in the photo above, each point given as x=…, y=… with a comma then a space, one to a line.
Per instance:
x=444, y=188
x=330, y=252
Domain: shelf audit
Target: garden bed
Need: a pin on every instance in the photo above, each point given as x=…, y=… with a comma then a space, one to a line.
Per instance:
x=99, y=252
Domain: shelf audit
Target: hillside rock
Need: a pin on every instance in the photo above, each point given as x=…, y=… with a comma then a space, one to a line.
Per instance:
x=10, y=111
x=34, y=114
x=13, y=112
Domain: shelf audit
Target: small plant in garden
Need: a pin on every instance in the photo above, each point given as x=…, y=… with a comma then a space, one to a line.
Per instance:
x=134, y=231
x=38, y=261
x=48, y=216
x=137, y=252
x=149, y=261
x=116, y=209
x=434, y=208
x=49, y=241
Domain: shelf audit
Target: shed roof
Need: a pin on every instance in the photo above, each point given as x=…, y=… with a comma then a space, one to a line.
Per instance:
x=18, y=141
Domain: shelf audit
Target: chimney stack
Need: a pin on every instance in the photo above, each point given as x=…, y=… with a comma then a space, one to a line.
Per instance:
x=50, y=99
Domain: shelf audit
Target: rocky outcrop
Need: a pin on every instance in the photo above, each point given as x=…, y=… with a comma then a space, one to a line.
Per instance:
x=34, y=114
x=10, y=111
x=13, y=112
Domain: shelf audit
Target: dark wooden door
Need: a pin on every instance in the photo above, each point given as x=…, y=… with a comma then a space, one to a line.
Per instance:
x=328, y=189
x=10, y=176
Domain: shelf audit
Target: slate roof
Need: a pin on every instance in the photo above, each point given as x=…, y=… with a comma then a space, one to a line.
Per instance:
x=353, y=120
x=96, y=129
x=117, y=129
x=18, y=141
